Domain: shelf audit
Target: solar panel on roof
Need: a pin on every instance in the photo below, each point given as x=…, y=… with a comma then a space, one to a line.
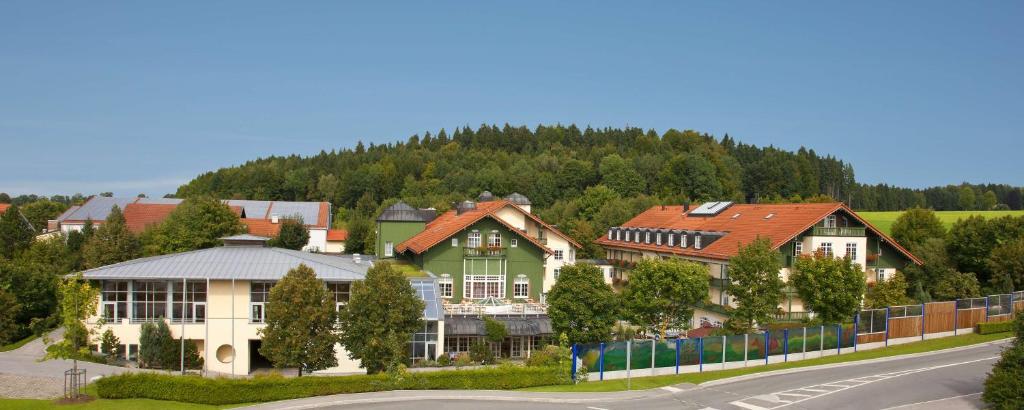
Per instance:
x=711, y=208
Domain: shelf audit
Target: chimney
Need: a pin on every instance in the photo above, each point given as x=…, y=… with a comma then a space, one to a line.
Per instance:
x=663, y=207
x=356, y=258
x=686, y=207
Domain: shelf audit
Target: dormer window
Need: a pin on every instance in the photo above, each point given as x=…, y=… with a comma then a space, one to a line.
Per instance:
x=636, y=236
x=830, y=221
x=610, y=234
x=696, y=242
x=647, y=237
x=657, y=239
x=682, y=240
x=671, y=238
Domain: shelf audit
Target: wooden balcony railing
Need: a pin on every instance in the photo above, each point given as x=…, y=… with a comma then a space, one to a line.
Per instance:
x=489, y=252
x=839, y=231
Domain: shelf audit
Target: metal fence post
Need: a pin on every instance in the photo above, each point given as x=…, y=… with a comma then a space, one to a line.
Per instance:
x=923, y=315
x=785, y=345
x=821, y=341
x=700, y=354
x=724, y=348
x=886, y=326
x=746, y=346
x=574, y=353
x=600, y=361
x=804, y=343
x=986, y=308
x=629, y=354
x=856, y=331
x=839, y=339
x=679, y=349
x=765, y=348
x=654, y=351
x=956, y=314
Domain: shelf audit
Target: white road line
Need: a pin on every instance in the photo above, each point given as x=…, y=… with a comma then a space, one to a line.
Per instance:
x=932, y=401
x=596, y=408
x=794, y=394
x=841, y=385
x=813, y=390
x=672, y=389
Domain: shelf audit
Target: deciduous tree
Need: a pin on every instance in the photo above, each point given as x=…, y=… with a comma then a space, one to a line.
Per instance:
x=661, y=294
x=197, y=223
x=382, y=313
x=78, y=301
x=890, y=292
x=755, y=285
x=15, y=232
x=112, y=242
x=914, y=226
x=954, y=285
x=293, y=234
x=581, y=305
x=301, y=328
x=831, y=287
x=1007, y=265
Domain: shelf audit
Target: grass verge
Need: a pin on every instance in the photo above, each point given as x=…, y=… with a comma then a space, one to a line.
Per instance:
x=107, y=404
x=651, y=382
x=20, y=343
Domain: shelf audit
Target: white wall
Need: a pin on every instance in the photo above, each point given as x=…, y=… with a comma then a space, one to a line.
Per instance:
x=317, y=240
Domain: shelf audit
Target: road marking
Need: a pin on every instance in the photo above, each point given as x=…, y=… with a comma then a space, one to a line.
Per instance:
x=837, y=386
x=672, y=389
x=932, y=401
x=596, y=408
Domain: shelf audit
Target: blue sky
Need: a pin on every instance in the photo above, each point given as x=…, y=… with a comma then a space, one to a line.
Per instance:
x=143, y=96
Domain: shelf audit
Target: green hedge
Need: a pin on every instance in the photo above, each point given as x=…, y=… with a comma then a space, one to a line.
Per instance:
x=995, y=327
x=218, y=391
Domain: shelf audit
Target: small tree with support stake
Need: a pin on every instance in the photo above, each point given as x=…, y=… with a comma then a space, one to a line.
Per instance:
x=78, y=300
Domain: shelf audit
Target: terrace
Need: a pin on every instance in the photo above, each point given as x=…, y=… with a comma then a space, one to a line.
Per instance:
x=495, y=306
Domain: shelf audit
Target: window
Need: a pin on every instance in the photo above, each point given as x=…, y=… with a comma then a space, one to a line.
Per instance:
x=521, y=287
x=798, y=248
x=830, y=221
x=851, y=250
x=647, y=237
x=341, y=291
x=618, y=234
x=115, y=300
x=671, y=239
x=484, y=286
x=825, y=248
x=258, y=293
x=682, y=240
x=455, y=242
x=423, y=344
x=188, y=304
x=494, y=240
x=389, y=249
x=696, y=242
x=149, y=301
x=657, y=239
x=610, y=234
x=474, y=240
x=559, y=254
x=881, y=275
x=445, y=285
x=557, y=272
x=514, y=242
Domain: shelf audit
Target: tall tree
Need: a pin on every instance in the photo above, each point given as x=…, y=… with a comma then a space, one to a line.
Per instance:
x=197, y=223
x=293, y=234
x=382, y=314
x=953, y=285
x=1007, y=265
x=831, y=287
x=78, y=301
x=890, y=292
x=971, y=241
x=661, y=294
x=15, y=232
x=755, y=284
x=112, y=242
x=915, y=226
x=39, y=212
x=10, y=329
x=301, y=323
x=581, y=305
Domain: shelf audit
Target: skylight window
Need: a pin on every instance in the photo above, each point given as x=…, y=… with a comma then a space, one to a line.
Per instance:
x=734, y=216
x=769, y=216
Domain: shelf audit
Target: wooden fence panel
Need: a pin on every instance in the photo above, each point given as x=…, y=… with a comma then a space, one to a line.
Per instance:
x=871, y=338
x=1018, y=306
x=938, y=317
x=904, y=327
x=1000, y=318
x=969, y=317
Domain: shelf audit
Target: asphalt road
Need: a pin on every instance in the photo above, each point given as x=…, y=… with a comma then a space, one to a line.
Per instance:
x=950, y=380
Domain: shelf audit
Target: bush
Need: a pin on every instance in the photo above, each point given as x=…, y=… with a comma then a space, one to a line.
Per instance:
x=480, y=352
x=444, y=360
x=222, y=391
x=995, y=327
x=545, y=357
x=463, y=359
x=108, y=345
x=1004, y=387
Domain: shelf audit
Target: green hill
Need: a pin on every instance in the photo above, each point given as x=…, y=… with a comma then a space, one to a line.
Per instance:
x=884, y=220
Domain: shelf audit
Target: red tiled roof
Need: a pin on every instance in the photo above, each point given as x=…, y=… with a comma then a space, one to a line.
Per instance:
x=786, y=222
x=451, y=222
x=3, y=208
x=140, y=216
x=337, y=235
x=325, y=213
x=262, y=227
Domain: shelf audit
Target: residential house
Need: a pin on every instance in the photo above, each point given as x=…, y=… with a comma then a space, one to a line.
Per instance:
x=217, y=298
x=490, y=257
x=262, y=218
x=713, y=232
x=336, y=239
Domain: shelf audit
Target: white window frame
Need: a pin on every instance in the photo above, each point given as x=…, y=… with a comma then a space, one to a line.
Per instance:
x=455, y=242
x=636, y=237
x=798, y=248
x=497, y=281
x=610, y=234
x=830, y=221
x=473, y=240
x=389, y=248
x=671, y=239
x=559, y=254
x=618, y=234
x=494, y=240
x=647, y=237
x=682, y=240
x=255, y=317
x=657, y=239
x=696, y=242
x=514, y=242
x=826, y=248
x=558, y=271
x=521, y=287
x=851, y=250
x=446, y=286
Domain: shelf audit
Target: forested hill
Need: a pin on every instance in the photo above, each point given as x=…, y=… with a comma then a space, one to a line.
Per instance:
x=625, y=169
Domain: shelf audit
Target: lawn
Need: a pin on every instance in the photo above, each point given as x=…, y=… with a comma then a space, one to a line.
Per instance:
x=651, y=382
x=409, y=270
x=884, y=220
x=20, y=343
x=105, y=405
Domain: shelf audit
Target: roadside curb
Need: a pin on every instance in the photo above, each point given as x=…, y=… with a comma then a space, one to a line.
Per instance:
x=753, y=376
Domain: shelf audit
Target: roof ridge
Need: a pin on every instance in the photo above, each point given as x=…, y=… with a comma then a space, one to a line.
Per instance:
x=148, y=259
x=302, y=255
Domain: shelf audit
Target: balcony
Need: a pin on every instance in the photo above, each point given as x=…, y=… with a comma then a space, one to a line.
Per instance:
x=483, y=252
x=839, y=231
x=791, y=316
x=719, y=283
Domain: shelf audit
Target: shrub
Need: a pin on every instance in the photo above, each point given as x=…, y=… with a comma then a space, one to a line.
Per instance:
x=545, y=357
x=995, y=327
x=108, y=345
x=480, y=352
x=1004, y=388
x=444, y=360
x=221, y=391
x=463, y=359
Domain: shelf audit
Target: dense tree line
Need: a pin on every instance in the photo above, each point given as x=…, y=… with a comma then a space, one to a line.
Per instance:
x=619, y=171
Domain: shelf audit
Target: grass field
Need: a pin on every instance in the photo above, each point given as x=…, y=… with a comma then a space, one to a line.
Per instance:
x=640, y=383
x=17, y=344
x=884, y=220
x=409, y=270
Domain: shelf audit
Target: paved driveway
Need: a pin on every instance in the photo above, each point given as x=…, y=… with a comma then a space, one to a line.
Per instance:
x=23, y=375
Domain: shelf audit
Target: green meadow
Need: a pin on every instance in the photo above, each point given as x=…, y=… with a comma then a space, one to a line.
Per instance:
x=884, y=220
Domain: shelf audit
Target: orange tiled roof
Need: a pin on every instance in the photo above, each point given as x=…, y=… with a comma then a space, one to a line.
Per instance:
x=3, y=208
x=140, y=216
x=450, y=223
x=262, y=227
x=786, y=222
x=337, y=235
